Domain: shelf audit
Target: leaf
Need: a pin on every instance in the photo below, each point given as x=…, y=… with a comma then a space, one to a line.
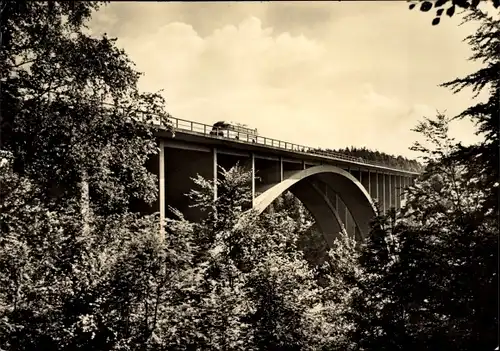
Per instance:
x=439, y=12
x=435, y=21
x=440, y=3
x=426, y=6
x=474, y=3
x=412, y=6
x=450, y=11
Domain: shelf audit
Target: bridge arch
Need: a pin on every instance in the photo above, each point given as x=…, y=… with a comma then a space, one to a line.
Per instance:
x=303, y=184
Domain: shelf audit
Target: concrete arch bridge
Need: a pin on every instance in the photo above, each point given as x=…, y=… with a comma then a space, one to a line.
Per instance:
x=338, y=190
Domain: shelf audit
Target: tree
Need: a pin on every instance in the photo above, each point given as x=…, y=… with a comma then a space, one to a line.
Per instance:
x=485, y=44
x=64, y=289
x=338, y=275
x=435, y=285
x=380, y=157
x=56, y=82
x=255, y=259
x=75, y=153
x=431, y=274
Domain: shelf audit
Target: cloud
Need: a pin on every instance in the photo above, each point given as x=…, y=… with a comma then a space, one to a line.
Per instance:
x=353, y=80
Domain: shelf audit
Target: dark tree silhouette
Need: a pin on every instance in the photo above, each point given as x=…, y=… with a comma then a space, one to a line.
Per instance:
x=431, y=279
x=450, y=6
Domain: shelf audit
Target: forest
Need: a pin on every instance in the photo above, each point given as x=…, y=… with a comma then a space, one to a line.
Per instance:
x=380, y=157
x=81, y=271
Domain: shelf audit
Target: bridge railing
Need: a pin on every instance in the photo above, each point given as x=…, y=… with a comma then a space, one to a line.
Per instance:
x=209, y=131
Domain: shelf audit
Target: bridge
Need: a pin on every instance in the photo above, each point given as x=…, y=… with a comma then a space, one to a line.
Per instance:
x=340, y=191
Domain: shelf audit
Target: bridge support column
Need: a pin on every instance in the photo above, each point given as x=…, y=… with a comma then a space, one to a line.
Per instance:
x=383, y=196
x=374, y=186
x=391, y=192
x=406, y=183
x=369, y=183
x=281, y=169
x=162, y=195
x=253, y=177
x=387, y=192
x=396, y=191
x=215, y=171
x=400, y=191
x=341, y=210
x=382, y=191
x=403, y=187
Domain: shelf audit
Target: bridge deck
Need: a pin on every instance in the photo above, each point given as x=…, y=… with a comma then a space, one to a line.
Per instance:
x=190, y=131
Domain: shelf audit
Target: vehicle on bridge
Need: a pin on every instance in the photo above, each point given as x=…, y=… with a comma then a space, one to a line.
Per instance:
x=234, y=130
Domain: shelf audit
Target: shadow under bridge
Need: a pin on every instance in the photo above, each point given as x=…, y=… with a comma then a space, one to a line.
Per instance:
x=330, y=194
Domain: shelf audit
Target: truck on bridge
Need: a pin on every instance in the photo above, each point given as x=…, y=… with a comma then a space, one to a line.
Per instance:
x=234, y=130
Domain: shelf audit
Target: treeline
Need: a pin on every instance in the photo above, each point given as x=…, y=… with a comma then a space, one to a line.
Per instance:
x=380, y=157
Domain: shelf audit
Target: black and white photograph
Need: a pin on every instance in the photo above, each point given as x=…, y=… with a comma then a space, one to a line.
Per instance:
x=249, y=175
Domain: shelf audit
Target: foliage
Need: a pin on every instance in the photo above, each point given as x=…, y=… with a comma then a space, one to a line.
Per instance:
x=431, y=274
x=426, y=6
x=338, y=276
x=310, y=241
x=484, y=156
x=64, y=288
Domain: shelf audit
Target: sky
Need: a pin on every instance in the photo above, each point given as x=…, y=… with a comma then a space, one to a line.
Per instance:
x=321, y=74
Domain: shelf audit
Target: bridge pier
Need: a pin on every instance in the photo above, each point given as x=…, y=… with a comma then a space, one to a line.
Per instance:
x=161, y=202
x=381, y=191
x=215, y=171
x=387, y=193
x=391, y=192
x=398, y=192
